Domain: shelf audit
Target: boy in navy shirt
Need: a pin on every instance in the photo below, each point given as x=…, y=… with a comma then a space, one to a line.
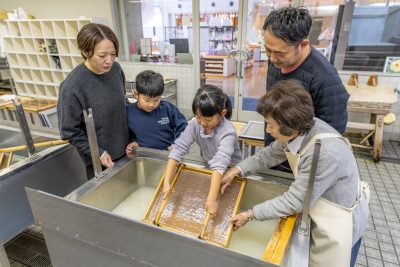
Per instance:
x=153, y=122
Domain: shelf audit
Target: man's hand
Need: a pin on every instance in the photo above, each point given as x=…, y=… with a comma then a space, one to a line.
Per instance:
x=106, y=160
x=130, y=147
x=227, y=178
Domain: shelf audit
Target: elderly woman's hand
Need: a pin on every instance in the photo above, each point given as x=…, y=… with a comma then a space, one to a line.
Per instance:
x=227, y=178
x=241, y=219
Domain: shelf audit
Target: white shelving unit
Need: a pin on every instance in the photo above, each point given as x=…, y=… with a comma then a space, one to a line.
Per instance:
x=41, y=53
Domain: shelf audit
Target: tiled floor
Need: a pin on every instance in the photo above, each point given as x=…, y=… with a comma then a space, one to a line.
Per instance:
x=381, y=242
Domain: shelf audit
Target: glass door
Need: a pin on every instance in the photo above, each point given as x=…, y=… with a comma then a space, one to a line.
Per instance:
x=231, y=45
x=251, y=60
x=219, y=30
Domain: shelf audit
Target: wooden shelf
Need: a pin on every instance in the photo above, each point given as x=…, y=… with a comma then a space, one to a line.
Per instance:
x=219, y=66
x=41, y=53
x=214, y=70
x=214, y=66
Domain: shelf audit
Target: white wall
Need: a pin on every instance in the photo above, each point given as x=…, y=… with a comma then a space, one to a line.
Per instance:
x=182, y=72
x=63, y=9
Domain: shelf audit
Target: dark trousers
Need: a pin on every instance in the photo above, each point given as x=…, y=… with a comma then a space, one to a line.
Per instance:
x=89, y=171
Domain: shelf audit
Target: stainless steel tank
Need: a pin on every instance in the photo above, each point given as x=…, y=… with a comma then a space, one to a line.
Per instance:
x=57, y=170
x=84, y=228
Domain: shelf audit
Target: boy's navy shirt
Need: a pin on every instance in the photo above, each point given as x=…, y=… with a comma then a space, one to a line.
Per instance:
x=157, y=129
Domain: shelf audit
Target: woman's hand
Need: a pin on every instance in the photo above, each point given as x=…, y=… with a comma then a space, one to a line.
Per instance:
x=227, y=178
x=240, y=220
x=106, y=160
x=212, y=207
x=130, y=147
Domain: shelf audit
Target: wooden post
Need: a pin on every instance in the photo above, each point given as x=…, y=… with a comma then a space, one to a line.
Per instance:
x=378, y=137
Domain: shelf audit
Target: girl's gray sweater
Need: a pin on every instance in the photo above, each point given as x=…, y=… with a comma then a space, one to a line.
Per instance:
x=336, y=178
x=220, y=149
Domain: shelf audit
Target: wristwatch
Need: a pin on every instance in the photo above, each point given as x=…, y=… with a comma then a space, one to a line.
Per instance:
x=250, y=215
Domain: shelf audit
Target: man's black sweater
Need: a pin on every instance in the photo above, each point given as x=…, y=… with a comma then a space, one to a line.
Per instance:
x=322, y=81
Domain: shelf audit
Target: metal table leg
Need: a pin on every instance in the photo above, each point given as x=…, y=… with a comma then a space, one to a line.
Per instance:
x=4, y=262
x=252, y=150
x=241, y=145
x=245, y=150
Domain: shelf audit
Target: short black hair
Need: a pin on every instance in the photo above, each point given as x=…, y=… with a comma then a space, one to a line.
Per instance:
x=290, y=24
x=150, y=83
x=210, y=100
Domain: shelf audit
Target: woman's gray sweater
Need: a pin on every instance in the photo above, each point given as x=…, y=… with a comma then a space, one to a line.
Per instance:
x=336, y=178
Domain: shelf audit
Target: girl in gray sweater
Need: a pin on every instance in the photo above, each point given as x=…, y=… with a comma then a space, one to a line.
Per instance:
x=216, y=136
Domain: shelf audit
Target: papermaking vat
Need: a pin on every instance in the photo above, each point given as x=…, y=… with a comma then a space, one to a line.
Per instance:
x=87, y=228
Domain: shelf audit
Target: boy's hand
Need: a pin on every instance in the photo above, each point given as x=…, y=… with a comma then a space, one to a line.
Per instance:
x=169, y=148
x=228, y=177
x=166, y=189
x=130, y=147
x=212, y=207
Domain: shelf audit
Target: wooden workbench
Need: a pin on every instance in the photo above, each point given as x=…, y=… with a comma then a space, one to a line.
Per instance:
x=375, y=101
x=32, y=106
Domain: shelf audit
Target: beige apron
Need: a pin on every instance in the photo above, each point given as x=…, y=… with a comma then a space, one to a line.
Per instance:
x=331, y=224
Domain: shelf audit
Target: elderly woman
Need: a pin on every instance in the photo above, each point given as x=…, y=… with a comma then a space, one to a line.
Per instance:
x=339, y=202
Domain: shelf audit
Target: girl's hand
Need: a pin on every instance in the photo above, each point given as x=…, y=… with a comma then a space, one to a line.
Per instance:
x=169, y=148
x=169, y=173
x=212, y=207
x=130, y=147
x=106, y=160
x=227, y=178
x=166, y=189
x=239, y=220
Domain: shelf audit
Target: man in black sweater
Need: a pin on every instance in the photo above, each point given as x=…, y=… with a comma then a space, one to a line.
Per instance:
x=291, y=57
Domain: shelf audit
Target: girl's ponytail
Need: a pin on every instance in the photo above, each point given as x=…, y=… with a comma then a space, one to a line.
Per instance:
x=228, y=107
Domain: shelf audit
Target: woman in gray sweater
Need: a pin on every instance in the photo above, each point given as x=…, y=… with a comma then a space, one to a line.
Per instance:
x=339, y=202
